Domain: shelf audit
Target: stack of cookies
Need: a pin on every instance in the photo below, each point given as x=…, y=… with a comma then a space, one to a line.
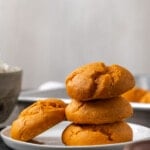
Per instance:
x=97, y=111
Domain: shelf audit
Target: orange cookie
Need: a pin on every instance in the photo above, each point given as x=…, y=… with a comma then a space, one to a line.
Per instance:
x=37, y=118
x=98, y=111
x=135, y=94
x=145, y=98
x=97, y=134
x=98, y=81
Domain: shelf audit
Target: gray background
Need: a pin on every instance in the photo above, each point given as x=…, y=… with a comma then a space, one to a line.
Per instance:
x=49, y=38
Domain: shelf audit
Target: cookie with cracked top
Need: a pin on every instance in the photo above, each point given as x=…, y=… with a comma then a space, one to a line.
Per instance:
x=98, y=81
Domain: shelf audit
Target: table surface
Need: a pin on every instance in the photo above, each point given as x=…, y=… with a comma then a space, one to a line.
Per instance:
x=3, y=146
x=16, y=111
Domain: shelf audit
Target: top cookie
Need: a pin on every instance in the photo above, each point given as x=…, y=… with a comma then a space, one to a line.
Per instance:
x=98, y=81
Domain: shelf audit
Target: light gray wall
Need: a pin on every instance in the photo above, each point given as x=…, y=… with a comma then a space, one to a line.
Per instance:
x=49, y=38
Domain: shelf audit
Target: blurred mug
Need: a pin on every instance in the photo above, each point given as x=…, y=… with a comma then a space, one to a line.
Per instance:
x=10, y=87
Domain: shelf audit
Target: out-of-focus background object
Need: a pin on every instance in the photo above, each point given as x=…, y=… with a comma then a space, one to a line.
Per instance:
x=49, y=38
x=51, y=85
x=142, y=145
x=135, y=96
x=10, y=87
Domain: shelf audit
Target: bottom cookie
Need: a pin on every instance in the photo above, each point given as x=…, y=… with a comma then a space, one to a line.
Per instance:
x=97, y=134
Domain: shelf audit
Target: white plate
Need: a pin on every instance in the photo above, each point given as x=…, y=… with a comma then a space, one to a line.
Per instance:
x=140, y=106
x=51, y=139
x=33, y=95
x=34, y=99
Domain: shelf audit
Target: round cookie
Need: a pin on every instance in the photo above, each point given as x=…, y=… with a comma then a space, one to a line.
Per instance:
x=98, y=81
x=135, y=94
x=37, y=118
x=145, y=98
x=97, y=134
x=98, y=111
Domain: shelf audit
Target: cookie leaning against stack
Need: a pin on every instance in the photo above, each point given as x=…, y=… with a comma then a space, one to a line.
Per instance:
x=97, y=110
x=37, y=118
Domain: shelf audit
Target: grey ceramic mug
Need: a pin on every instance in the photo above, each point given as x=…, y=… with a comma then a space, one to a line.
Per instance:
x=10, y=87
